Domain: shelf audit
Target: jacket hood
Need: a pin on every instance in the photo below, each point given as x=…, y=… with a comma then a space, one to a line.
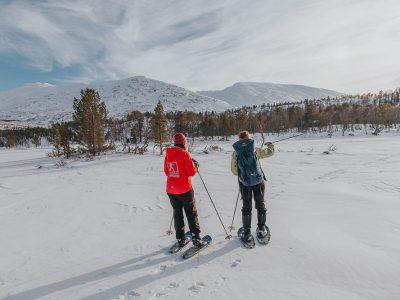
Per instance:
x=174, y=150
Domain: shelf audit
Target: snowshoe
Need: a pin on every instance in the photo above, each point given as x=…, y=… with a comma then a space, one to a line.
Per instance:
x=246, y=239
x=198, y=245
x=181, y=243
x=263, y=235
x=197, y=242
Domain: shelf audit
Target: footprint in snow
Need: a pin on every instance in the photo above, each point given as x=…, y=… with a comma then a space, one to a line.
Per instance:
x=160, y=269
x=237, y=262
x=173, y=285
x=160, y=294
x=220, y=280
x=133, y=294
x=128, y=296
x=197, y=287
x=147, y=208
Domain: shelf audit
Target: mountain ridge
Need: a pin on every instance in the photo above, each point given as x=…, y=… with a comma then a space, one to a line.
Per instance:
x=40, y=102
x=257, y=93
x=43, y=102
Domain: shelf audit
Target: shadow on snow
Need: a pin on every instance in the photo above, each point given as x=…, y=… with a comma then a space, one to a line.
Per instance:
x=122, y=268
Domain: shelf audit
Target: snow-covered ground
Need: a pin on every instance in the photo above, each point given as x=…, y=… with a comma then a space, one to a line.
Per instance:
x=96, y=229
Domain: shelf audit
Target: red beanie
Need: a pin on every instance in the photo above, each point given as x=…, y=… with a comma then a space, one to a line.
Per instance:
x=179, y=139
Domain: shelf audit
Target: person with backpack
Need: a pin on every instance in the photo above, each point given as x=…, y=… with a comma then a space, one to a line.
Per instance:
x=245, y=164
x=179, y=166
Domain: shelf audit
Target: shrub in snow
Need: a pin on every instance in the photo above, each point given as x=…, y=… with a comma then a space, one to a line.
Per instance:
x=212, y=148
x=331, y=148
x=60, y=163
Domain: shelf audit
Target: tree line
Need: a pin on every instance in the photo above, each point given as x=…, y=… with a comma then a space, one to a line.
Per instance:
x=23, y=137
x=91, y=131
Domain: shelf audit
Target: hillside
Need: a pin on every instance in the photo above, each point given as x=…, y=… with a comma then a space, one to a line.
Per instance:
x=257, y=93
x=41, y=102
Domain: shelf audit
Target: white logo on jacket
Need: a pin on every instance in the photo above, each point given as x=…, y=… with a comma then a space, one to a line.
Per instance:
x=173, y=169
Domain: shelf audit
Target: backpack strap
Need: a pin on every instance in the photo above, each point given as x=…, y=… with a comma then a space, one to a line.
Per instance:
x=262, y=171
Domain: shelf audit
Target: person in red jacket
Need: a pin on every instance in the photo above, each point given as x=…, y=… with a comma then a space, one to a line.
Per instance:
x=179, y=166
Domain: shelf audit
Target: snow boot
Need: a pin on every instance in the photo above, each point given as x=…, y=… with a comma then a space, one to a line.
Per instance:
x=263, y=235
x=180, y=243
x=246, y=239
x=197, y=241
x=262, y=232
x=183, y=242
x=244, y=233
x=246, y=224
x=262, y=219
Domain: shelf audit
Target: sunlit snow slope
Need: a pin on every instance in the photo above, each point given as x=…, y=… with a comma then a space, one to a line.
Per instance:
x=257, y=93
x=44, y=102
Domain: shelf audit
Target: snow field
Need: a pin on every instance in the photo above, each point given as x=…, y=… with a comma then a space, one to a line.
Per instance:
x=96, y=229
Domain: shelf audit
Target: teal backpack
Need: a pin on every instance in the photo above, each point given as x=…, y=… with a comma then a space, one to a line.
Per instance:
x=249, y=169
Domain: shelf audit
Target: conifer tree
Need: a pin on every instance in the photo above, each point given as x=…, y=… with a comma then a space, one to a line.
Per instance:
x=37, y=139
x=61, y=140
x=310, y=114
x=56, y=141
x=90, y=118
x=226, y=127
x=159, y=124
x=10, y=143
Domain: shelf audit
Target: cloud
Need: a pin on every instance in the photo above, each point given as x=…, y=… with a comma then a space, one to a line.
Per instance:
x=344, y=45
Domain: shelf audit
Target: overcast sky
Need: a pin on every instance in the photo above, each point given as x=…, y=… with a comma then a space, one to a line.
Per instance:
x=349, y=46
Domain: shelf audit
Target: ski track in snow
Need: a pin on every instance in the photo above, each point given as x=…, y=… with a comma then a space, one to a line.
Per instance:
x=97, y=229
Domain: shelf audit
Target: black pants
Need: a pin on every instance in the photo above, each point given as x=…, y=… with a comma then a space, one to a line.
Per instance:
x=185, y=202
x=247, y=195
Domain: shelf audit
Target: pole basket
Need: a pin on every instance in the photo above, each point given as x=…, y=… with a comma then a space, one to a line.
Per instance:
x=169, y=232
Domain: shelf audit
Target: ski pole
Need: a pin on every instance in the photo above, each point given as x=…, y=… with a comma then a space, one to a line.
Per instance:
x=288, y=138
x=169, y=231
x=228, y=236
x=234, y=213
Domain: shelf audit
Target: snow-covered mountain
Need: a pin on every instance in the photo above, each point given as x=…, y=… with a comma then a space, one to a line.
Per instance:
x=42, y=102
x=256, y=93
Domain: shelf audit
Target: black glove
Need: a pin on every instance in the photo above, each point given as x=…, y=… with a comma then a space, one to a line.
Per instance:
x=196, y=163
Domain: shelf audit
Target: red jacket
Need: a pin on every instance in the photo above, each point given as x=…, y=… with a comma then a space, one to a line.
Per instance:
x=179, y=167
